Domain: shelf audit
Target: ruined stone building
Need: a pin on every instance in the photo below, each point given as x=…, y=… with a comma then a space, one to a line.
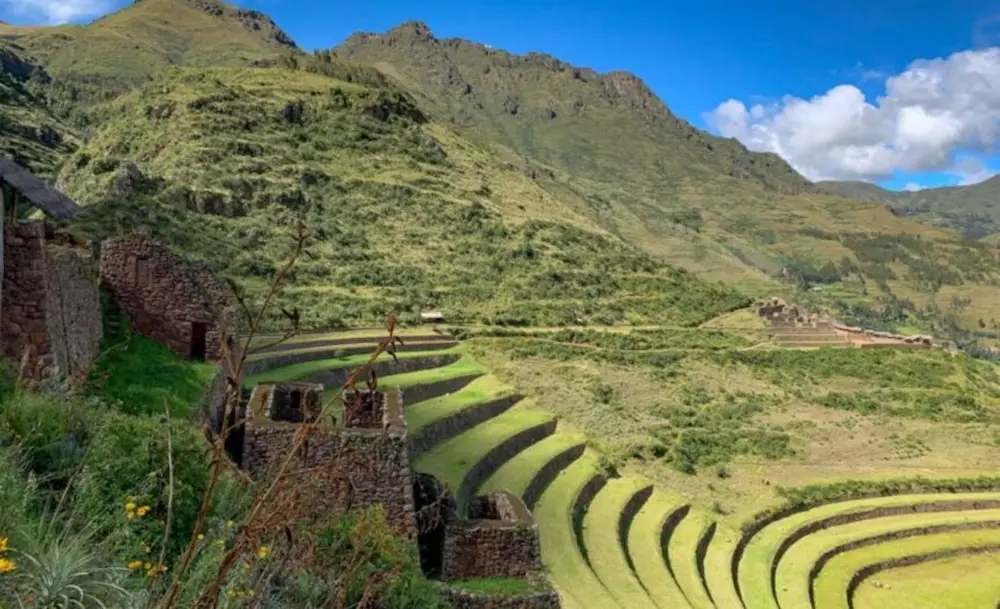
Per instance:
x=50, y=310
x=364, y=462
x=179, y=302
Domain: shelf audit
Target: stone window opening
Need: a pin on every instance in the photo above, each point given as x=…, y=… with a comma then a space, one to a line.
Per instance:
x=199, y=334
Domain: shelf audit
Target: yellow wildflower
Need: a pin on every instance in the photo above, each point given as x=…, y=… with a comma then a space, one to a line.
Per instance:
x=145, y=547
x=142, y=511
x=3, y=545
x=129, y=507
x=7, y=565
x=230, y=524
x=262, y=552
x=146, y=566
x=201, y=536
x=135, y=564
x=130, y=515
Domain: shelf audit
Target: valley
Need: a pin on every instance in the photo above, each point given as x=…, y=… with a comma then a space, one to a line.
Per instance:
x=596, y=266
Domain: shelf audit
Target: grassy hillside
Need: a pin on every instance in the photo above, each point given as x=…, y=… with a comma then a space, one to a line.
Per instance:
x=124, y=49
x=405, y=214
x=972, y=210
x=28, y=131
x=466, y=155
x=618, y=156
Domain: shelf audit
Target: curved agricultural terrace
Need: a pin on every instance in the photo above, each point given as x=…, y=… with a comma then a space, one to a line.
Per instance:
x=651, y=459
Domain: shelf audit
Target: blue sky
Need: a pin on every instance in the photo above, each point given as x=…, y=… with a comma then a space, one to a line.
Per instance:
x=695, y=56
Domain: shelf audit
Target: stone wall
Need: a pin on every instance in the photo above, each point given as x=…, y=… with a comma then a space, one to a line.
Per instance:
x=354, y=467
x=500, y=540
x=52, y=307
x=166, y=295
x=462, y=599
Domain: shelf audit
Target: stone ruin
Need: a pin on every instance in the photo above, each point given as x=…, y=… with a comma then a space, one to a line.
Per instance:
x=365, y=462
x=50, y=308
x=168, y=297
x=499, y=539
x=51, y=316
x=362, y=464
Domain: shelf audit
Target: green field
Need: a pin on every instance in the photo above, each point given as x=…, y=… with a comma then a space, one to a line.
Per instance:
x=699, y=447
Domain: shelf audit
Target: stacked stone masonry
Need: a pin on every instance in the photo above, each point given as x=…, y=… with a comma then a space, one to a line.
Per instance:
x=51, y=318
x=350, y=467
x=462, y=599
x=500, y=539
x=176, y=301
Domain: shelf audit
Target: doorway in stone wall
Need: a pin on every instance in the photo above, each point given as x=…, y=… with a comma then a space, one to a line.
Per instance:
x=199, y=331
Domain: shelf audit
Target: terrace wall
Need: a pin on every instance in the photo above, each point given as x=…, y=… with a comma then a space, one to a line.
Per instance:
x=500, y=540
x=355, y=467
x=462, y=599
x=52, y=308
x=167, y=295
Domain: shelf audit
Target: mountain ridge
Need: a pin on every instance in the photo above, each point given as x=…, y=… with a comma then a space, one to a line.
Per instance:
x=516, y=146
x=972, y=209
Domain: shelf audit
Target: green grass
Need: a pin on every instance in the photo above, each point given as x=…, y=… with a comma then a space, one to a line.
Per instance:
x=681, y=549
x=144, y=377
x=296, y=372
x=462, y=367
x=560, y=553
x=831, y=583
x=451, y=461
x=718, y=561
x=792, y=577
x=363, y=336
x=647, y=555
x=481, y=390
x=755, y=565
x=516, y=474
x=604, y=550
x=952, y=583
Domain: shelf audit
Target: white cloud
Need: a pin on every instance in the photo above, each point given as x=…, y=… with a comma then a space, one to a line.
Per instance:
x=56, y=12
x=971, y=170
x=931, y=111
x=912, y=187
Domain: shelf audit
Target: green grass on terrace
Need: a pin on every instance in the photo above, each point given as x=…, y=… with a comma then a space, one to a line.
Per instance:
x=600, y=537
x=296, y=372
x=952, y=583
x=755, y=565
x=451, y=461
x=792, y=576
x=462, y=367
x=683, y=559
x=364, y=335
x=647, y=556
x=516, y=474
x=337, y=350
x=560, y=553
x=481, y=390
x=832, y=581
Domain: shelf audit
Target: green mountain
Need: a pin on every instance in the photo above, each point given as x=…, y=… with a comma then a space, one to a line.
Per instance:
x=445, y=174
x=973, y=210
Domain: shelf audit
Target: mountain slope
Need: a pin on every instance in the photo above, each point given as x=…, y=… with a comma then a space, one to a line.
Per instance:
x=469, y=158
x=29, y=133
x=973, y=210
x=397, y=204
x=128, y=47
x=619, y=157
